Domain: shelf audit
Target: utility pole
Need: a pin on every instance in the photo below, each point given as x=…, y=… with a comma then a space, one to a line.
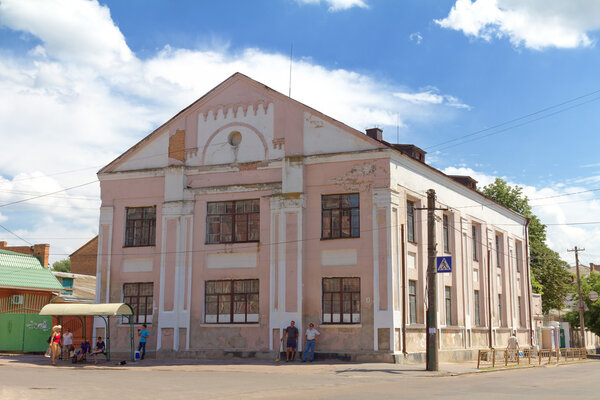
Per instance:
x=581, y=321
x=432, y=326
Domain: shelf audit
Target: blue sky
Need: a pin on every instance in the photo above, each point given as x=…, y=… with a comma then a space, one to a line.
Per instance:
x=81, y=81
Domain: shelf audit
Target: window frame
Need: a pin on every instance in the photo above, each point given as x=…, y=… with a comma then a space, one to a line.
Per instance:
x=135, y=306
x=232, y=300
x=475, y=253
x=354, y=231
x=448, y=304
x=412, y=301
x=150, y=238
x=411, y=234
x=498, y=248
x=446, y=232
x=250, y=217
x=520, y=310
x=477, y=307
x=500, y=309
x=341, y=293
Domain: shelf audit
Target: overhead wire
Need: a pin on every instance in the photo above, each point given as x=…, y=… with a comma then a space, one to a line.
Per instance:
x=521, y=118
x=14, y=234
x=47, y=194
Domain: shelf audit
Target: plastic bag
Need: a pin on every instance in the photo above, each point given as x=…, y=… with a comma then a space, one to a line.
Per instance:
x=47, y=354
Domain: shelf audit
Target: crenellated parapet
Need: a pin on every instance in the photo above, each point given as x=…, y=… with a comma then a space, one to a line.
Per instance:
x=235, y=111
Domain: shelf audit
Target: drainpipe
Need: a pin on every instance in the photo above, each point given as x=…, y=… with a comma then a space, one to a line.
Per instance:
x=404, y=305
x=529, y=283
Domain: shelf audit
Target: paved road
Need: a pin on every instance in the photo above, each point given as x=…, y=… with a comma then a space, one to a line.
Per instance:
x=21, y=380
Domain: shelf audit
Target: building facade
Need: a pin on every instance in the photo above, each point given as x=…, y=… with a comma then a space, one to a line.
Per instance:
x=83, y=260
x=25, y=287
x=249, y=209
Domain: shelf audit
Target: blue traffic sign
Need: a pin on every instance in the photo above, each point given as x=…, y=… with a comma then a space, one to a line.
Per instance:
x=443, y=264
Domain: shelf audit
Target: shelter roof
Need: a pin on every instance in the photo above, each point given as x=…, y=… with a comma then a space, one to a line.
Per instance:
x=106, y=309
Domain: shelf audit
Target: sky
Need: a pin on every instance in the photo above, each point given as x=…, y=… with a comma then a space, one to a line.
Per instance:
x=489, y=88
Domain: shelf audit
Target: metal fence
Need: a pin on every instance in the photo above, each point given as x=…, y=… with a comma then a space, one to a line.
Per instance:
x=505, y=357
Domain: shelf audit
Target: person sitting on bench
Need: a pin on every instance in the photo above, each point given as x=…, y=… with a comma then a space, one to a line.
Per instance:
x=100, y=349
x=84, y=348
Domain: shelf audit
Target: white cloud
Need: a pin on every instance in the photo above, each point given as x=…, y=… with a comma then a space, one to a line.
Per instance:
x=565, y=209
x=79, y=97
x=69, y=29
x=535, y=24
x=416, y=37
x=337, y=5
x=431, y=96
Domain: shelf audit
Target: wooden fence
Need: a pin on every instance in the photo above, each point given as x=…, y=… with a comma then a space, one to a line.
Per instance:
x=505, y=357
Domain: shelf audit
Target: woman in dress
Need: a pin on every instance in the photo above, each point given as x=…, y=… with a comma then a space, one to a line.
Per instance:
x=55, y=342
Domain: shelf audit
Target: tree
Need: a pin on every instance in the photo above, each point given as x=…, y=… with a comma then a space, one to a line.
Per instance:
x=591, y=317
x=549, y=274
x=62, y=265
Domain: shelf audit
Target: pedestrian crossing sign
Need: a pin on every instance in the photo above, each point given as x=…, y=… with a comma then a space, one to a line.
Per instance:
x=443, y=264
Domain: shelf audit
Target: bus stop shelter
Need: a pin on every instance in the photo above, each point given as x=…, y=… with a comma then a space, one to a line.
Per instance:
x=103, y=310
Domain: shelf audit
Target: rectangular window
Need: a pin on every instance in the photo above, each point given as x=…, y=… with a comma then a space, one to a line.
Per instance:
x=140, y=226
x=476, y=275
x=341, y=300
x=411, y=260
x=498, y=251
x=474, y=242
x=340, y=216
x=448, y=302
x=231, y=301
x=477, y=311
x=410, y=221
x=500, y=309
x=446, y=233
x=520, y=311
x=519, y=256
x=412, y=301
x=139, y=296
x=233, y=221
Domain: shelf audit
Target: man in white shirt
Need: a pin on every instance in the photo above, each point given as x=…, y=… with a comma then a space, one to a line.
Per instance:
x=67, y=344
x=311, y=336
x=513, y=346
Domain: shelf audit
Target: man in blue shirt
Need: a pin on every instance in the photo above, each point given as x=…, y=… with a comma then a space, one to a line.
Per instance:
x=143, y=334
x=100, y=348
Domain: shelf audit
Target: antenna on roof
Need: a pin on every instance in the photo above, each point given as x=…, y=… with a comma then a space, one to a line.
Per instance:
x=291, y=53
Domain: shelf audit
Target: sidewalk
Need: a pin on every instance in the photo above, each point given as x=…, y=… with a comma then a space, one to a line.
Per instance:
x=245, y=365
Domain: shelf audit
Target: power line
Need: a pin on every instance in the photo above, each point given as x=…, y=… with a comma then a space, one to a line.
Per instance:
x=47, y=194
x=521, y=118
x=14, y=234
x=74, y=197
x=519, y=125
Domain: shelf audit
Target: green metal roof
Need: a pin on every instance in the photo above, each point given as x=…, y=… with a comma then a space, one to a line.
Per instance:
x=25, y=271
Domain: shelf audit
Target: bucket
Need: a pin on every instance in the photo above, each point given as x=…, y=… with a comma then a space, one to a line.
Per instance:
x=137, y=355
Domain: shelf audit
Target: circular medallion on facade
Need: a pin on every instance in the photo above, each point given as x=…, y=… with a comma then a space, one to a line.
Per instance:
x=235, y=138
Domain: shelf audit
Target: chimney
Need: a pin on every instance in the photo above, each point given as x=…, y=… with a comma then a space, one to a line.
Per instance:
x=3, y=245
x=465, y=181
x=375, y=133
x=42, y=252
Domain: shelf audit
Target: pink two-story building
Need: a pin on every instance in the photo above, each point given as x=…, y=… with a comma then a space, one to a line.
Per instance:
x=249, y=209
